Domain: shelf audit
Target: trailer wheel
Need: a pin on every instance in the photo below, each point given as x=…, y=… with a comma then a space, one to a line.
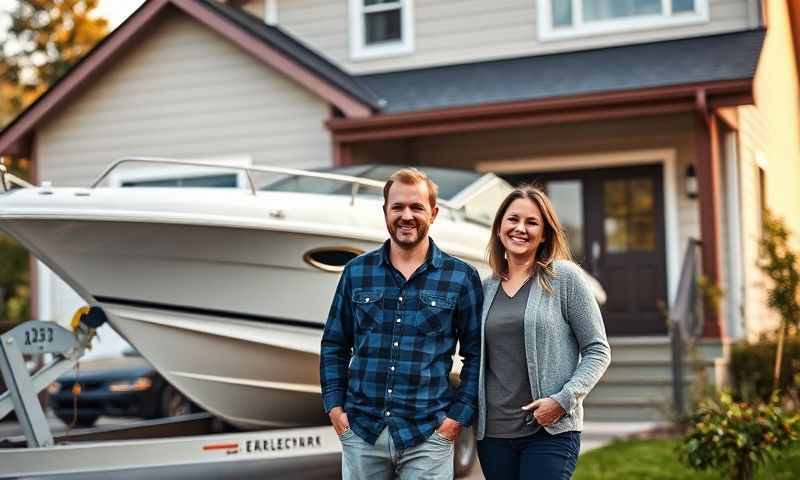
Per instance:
x=173, y=403
x=465, y=452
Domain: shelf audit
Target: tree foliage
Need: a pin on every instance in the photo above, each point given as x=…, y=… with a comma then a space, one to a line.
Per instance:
x=45, y=38
x=779, y=263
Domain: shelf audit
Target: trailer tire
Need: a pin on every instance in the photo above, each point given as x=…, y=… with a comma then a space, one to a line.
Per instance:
x=465, y=452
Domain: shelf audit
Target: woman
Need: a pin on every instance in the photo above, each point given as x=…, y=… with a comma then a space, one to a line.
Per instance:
x=544, y=345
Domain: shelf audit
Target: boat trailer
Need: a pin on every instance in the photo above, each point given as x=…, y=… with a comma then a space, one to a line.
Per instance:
x=194, y=446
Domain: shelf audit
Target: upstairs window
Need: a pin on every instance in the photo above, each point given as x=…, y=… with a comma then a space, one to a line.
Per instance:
x=381, y=28
x=561, y=19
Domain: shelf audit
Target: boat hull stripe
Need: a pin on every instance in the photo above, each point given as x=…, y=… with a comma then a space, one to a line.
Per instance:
x=210, y=312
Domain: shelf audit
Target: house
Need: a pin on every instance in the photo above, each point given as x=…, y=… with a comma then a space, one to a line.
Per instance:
x=648, y=122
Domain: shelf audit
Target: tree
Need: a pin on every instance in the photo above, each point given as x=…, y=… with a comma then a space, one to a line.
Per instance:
x=45, y=39
x=779, y=262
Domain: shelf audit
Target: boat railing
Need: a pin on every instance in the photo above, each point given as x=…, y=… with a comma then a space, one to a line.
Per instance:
x=356, y=182
x=8, y=180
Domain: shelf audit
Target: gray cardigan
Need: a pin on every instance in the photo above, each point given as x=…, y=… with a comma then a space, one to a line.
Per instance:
x=565, y=341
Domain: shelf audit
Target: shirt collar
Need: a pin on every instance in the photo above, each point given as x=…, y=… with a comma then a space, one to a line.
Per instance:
x=434, y=257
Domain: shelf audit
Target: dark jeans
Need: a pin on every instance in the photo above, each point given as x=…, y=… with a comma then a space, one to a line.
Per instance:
x=540, y=456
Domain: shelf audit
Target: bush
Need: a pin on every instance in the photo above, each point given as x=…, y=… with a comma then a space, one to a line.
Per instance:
x=752, y=366
x=737, y=437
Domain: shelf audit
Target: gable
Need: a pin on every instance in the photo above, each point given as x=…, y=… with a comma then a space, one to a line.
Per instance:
x=184, y=91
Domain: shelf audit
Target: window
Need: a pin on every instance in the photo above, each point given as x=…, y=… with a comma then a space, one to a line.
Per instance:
x=142, y=174
x=381, y=28
x=560, y=19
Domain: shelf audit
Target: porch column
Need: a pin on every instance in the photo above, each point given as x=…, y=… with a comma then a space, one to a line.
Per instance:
x=342, y=153
x=708, y=182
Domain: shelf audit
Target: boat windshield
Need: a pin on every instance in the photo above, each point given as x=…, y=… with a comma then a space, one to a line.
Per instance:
x=450, y=181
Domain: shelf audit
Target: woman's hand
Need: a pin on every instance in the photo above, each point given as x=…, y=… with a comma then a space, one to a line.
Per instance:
x=546, y=411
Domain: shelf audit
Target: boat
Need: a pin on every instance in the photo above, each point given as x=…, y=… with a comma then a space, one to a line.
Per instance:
x=226, y=290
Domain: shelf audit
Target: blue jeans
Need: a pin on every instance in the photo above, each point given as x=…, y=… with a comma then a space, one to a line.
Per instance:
x=431, y=460
x=540, y=456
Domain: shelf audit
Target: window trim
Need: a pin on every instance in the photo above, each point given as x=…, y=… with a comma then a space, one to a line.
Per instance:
x=546, y=31
x=172, y=172
x=359, y=50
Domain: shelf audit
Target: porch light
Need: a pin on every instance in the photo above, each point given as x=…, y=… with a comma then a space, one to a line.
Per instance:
x=690, y=182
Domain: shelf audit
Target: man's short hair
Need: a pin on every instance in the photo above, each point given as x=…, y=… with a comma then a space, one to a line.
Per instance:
x=411, y=176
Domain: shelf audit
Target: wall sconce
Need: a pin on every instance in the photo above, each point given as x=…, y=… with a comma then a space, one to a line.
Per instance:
x=690, y=183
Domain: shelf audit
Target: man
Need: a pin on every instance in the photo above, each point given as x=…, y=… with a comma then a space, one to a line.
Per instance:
x=388, y=344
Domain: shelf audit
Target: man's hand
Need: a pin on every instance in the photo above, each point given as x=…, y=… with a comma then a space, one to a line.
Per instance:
x=339, y=420
x=546, y=411
x=449, y=429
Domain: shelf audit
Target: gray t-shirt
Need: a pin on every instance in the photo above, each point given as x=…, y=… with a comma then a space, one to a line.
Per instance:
x=507, y=385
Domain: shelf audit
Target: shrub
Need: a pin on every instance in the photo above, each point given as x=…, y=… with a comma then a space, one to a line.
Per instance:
x=735, y=438
x=752, y=366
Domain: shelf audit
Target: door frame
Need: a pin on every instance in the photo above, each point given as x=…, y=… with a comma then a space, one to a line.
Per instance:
x=667, y=157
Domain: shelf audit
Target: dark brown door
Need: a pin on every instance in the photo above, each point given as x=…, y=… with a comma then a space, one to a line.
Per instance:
x=614, y=220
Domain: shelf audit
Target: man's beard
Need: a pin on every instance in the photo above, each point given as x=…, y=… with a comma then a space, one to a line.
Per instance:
x=406, y=242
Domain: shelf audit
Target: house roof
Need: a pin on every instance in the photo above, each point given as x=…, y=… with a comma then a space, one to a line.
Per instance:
x=266, y=43
x=295, y=49
x=367, y=98
x=730, y=56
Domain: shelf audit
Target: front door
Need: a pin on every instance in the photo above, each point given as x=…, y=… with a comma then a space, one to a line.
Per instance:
x=614, y=219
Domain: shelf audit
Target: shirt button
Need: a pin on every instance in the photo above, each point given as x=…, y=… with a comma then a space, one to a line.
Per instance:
x=433, y=303
x=396, y=344
x=401, y=299
x=388, y=414
x=398, y=320
x=390, y=390
x=391, y=368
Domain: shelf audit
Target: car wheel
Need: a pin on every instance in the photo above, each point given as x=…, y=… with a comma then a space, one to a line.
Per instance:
x=173, y=403
x=465, y=451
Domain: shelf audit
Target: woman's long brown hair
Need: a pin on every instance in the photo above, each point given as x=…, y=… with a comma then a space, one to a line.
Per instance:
x=554, y=244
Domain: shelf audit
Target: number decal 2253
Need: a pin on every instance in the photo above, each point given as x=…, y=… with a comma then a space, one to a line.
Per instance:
x=39, y=335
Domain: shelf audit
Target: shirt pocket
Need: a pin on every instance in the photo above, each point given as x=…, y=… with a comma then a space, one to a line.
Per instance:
x=435, y=315
x=367, y=308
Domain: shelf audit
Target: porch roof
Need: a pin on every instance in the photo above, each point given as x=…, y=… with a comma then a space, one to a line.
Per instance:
x=715, y=58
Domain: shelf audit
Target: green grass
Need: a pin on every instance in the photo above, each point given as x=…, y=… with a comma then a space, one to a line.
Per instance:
x=658, y=460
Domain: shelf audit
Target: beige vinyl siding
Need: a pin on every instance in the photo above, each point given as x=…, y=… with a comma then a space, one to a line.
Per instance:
x=184, y=92
x=457, y=31
x=757, y=315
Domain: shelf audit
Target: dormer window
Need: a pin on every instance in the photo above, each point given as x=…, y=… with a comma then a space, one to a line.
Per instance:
x=562, y=19
x=381, y=28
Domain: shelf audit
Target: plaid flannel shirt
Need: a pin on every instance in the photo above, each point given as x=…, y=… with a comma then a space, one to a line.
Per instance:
x=388, y=345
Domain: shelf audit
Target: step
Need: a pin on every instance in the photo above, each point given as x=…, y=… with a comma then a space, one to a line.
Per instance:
x=656, y=371
x=658, y=348
x=626, y=410
x=637, y=389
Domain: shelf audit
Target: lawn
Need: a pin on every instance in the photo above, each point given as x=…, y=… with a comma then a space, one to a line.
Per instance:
x=658, y=460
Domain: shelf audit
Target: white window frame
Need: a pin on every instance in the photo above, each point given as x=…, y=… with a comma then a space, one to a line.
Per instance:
x=547, y=32
x=149, y=172
x=359, y=50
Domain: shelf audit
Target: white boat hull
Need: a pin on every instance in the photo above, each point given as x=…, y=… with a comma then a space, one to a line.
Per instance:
x=232, y=316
